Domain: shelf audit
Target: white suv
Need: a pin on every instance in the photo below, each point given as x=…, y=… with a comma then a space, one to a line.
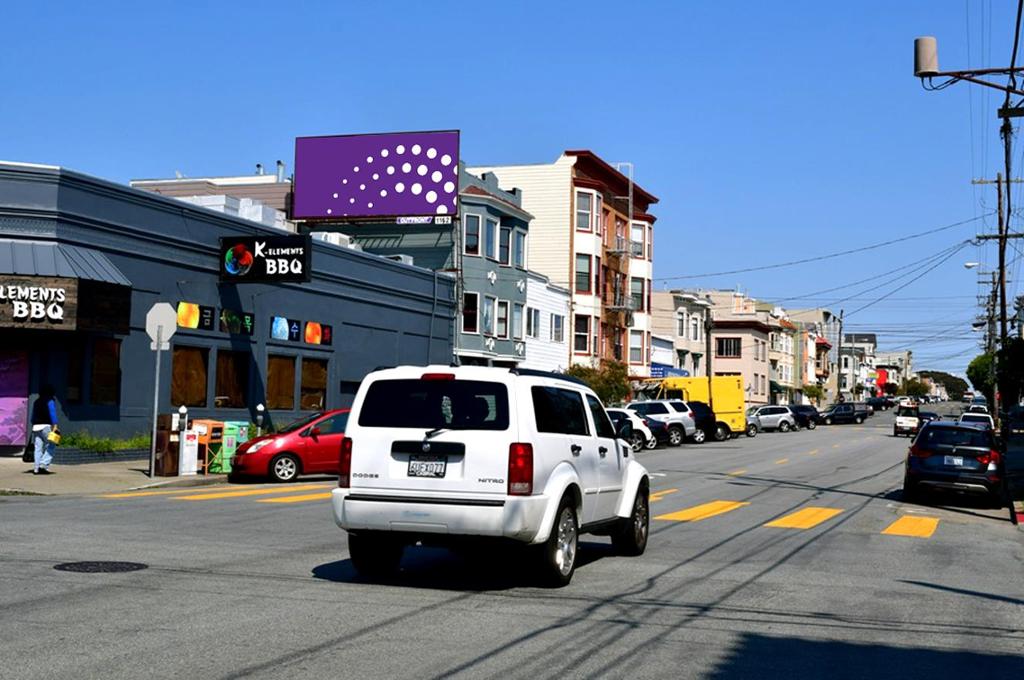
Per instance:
x=436, y=454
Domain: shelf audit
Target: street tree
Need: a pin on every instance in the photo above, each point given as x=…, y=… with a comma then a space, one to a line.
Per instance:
x=610, y=381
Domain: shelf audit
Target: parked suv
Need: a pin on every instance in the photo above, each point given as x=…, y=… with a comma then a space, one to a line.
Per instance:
x=675, y=413
x=708, y=425
x=805, y=415
x=842, y=413
x=879, y=403
x=444, y=455
x=774, y=418
x=954, y=456
x=642, y=435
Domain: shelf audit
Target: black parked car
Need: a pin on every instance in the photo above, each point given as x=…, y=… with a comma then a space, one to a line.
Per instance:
x=806, y=415
x=948, y=455
x=707, y=423
x=660, y=431
x=842, y=413
x=880, y=403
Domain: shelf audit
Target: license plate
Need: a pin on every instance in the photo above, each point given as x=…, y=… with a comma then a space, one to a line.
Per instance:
x=956, y=461
x=427, y=466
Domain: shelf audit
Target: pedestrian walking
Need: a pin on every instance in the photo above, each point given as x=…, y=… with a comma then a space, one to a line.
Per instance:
x=44, y=430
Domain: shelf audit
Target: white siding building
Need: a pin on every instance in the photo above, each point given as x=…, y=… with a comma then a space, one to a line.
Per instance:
x=546, y=325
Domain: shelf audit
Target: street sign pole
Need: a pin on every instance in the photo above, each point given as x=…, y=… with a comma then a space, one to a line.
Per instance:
x=161, y=322
x=156, y=401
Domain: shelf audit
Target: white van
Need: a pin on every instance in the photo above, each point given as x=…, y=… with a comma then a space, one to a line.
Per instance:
x=436, y=454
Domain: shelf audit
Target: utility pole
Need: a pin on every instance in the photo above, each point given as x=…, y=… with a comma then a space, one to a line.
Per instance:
x=839, y=358
x=708, y=325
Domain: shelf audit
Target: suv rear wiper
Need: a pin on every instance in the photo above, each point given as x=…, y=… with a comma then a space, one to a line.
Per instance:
x=436, y=431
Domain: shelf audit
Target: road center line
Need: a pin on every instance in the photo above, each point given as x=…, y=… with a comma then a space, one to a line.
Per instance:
x=734, y=473
x=782, y=461
x=812, y=453
x=658, y=495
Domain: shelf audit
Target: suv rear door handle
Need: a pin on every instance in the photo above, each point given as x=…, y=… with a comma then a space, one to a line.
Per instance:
x=575, y=448
x=603, y=450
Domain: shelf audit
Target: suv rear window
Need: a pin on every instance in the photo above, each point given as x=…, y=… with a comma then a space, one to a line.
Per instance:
x=906, y=412
x=430, y=404
x=948, y=436
x=679, y=406
x=647, y=409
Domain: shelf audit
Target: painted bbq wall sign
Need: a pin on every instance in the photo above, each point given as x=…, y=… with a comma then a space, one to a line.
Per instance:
x=38, y=302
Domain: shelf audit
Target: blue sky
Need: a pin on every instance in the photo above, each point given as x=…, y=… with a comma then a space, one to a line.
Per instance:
x=770, y=131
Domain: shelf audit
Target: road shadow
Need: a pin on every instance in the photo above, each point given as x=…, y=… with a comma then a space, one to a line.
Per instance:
x=962, y=503
x=473, y=568
x=971, y=593
x=769, y=658
x=301, y=479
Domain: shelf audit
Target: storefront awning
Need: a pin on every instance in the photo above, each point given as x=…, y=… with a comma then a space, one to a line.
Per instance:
x=48, y=258
x=775, y=387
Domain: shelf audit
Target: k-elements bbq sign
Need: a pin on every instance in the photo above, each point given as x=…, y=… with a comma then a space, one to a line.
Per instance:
x=265, y=259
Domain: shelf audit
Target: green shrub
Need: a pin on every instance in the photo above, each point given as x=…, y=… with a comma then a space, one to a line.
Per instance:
x=87, y=442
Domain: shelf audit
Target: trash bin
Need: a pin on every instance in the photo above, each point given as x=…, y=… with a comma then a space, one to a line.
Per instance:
x=235, y=433
x=211, y=438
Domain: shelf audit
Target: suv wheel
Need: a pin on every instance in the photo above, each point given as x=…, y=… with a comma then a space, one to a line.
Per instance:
x=651, y=443
x=859, y=419
x=721, y=432
x=910, y=493
x=374, y=554
x=811, y=423
x=558, y=556
x=631, y=538
x=699, y=436
x=284, y=468
x=675, y=435
x=784, y=426
x=828, y=420
x=751, y=430
x=636, y=442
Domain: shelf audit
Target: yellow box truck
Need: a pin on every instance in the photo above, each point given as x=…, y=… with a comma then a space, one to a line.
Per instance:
x=728, y=401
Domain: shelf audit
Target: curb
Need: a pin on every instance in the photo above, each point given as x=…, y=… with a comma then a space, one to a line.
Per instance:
x=198, y=480
x=1017, y=514
x=22, y=492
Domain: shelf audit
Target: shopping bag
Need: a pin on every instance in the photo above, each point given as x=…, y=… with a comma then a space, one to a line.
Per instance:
x=54, y=437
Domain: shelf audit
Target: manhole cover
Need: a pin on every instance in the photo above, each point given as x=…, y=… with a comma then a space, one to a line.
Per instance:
x=100, y=567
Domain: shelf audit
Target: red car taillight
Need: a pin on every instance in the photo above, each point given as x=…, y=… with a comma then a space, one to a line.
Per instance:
x=919, y=452
x=345, y=463
x=520, y=469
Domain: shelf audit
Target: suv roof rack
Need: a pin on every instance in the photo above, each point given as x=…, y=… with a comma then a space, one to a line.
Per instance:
x=546, y=374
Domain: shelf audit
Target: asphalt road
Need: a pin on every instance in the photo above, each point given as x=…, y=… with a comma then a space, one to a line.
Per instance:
x=253, y=586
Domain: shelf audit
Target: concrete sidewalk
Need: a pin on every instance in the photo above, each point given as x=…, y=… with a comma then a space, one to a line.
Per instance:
x=90, y=478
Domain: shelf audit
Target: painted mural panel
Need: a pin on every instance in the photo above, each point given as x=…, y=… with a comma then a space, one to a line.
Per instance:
x=13, y=398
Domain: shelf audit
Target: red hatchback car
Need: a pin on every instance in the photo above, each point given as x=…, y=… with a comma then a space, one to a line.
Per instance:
x=310, y=445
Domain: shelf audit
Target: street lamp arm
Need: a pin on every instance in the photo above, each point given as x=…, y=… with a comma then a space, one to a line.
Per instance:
x=969, y=76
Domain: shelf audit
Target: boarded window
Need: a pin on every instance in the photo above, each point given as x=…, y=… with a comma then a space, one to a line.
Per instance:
x=280, y=382
x=188, y=376
x=314, y=384
x=105, y=386
x=232, y=389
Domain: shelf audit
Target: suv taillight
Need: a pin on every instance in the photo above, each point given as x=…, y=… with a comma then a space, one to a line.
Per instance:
x=990, y=458
x=918, y=452
x=520, y=469
x=345, y=463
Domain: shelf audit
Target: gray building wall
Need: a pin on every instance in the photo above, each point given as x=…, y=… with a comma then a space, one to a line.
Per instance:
x=382, y=312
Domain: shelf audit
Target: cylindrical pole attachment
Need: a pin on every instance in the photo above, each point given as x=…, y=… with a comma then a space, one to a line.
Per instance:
x=926, y=57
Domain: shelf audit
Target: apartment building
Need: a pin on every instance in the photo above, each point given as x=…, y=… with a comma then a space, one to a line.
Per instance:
x=593, y=234
x=681, y=315
x=547, y=330
x=782, y=358
x=825, y=327
x=740, y=343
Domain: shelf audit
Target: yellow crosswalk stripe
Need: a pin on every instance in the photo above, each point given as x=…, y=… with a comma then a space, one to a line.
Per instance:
x=805, y=518
x=658, y=495
x=782, y=461
x=918, y=527
x=249, y=492
x=703, y=511
x=170, y=492
x=301, y=498
x=738, y=472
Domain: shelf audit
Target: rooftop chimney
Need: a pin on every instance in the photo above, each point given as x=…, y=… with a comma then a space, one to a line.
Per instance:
x=280, y=171
x=259, y=168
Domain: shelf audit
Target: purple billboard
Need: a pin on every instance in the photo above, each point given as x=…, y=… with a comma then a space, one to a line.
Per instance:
x=383, y=175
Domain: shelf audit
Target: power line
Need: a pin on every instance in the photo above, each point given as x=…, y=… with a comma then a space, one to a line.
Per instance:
x=829, y=256
x=895, y=290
